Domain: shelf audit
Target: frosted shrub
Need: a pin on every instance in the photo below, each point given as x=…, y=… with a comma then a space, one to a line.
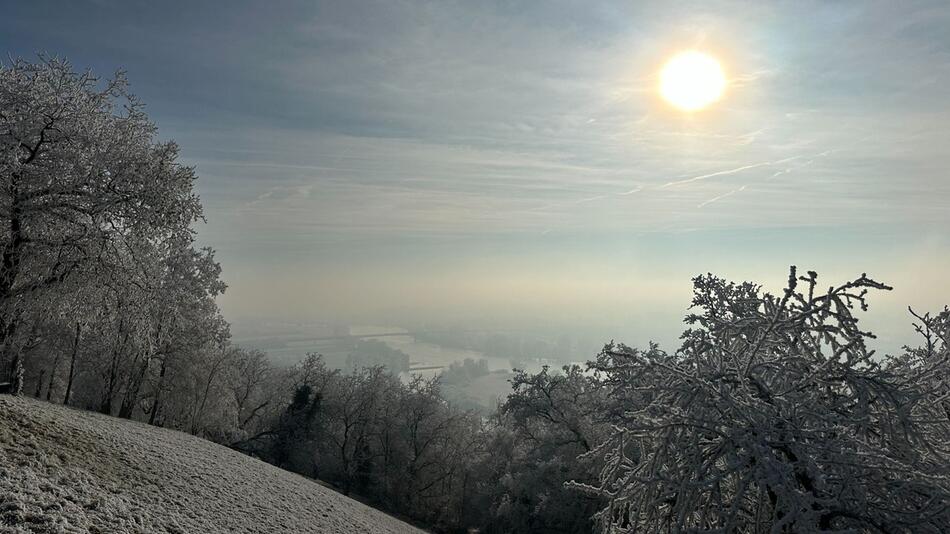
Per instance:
x=774, y=416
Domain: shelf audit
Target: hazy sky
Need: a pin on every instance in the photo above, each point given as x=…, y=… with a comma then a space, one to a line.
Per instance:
x=505, y=162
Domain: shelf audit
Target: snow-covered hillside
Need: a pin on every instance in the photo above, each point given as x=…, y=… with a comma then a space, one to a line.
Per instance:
x=64, y=470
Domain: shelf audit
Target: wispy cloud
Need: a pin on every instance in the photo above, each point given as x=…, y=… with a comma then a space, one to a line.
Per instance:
x=405, y=122
x=730, y=171
x=722, y=196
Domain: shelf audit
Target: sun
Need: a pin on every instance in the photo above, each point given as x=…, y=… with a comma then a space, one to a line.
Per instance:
x=692, y=80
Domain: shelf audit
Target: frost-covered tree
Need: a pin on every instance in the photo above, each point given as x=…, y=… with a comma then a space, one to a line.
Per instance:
x=774, y=416
x=255, y=388
x=548, y=419
x=85, y=185
x=436, y=440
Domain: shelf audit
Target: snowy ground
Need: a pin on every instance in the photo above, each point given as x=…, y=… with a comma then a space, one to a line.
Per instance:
x=64, y=470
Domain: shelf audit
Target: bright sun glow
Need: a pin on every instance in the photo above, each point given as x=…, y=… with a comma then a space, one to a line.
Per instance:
x=692, y=80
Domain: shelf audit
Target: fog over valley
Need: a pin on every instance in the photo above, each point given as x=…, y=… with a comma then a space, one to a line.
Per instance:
x=474, y=266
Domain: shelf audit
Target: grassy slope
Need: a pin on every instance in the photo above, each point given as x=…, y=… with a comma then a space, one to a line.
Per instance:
x=63, y=470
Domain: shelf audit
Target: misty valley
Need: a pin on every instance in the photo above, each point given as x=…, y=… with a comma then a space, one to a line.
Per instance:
x=474, y=367
x=594, y=267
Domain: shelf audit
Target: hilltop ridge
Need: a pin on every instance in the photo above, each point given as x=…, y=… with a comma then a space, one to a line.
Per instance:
x=65, y=470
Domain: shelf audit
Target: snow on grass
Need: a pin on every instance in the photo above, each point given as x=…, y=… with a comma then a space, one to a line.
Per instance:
x=66, y=471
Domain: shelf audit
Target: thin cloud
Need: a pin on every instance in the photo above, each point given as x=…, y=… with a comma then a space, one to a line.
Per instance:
x=729, y=171
x=722, y=196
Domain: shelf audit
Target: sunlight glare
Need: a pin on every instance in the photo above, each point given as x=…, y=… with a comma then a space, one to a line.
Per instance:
x=692, y=80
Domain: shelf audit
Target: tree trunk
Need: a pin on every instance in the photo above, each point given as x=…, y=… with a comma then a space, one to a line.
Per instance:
x=8, y=352
x=39, y=384
x=9, y=270
x=108, y=397
x=52, y=376
x=16, y=374
x=132, y=393
x=212, y=374
x=72, y=365
x=158, y=392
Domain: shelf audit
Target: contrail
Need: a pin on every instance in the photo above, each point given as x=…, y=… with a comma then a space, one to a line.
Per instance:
x=780, y=172
x=722, y=196
x=694, y=179
x=632, y=191
x=730, y=171
x=590, y=199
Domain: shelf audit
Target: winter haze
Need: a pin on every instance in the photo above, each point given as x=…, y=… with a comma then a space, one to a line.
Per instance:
x=474, y=267
x=507, y=165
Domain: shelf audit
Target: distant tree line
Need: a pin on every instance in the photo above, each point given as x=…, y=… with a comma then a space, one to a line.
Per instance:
x=373, y=352
x=515, y=348
x=463, y=373
x=772, y=416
